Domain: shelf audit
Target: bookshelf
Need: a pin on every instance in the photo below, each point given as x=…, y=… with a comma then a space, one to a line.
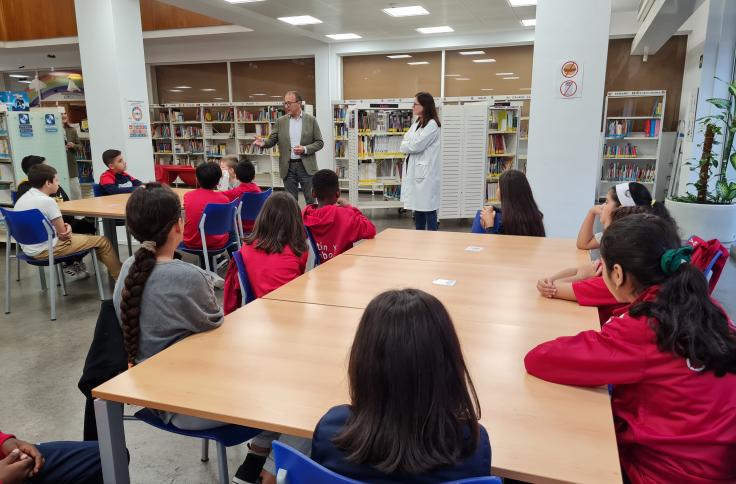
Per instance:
x=7, y=178
x=632, y=131
x=503, y=143
x=375, y=131
x=341, y=113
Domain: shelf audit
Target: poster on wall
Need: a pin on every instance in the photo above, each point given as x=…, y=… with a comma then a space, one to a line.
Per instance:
x=24, y=125
x=15, y=101
x=50, y=121
x=137, y=127
x=57, y=86
x=569, y=83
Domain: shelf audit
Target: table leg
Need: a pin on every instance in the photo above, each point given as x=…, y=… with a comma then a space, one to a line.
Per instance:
x=111, y=232
x=111, y=436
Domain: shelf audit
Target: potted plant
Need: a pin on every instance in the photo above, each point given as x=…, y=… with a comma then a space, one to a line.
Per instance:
x=710, y=212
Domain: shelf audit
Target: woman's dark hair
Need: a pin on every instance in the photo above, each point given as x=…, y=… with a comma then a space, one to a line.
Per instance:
x=109, y=155
x=245, y=172
x=208, y=174
x=430, y=110
x=643, y=198
x=684, y=318
x=150, y=213
x=31, y=160
x=38, y=175
x=279, y=224
x=521, y=216
x=414, y=406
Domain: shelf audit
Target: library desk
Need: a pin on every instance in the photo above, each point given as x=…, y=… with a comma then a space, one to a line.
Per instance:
x=281, y=365
x=548, y=254
x=109, y=208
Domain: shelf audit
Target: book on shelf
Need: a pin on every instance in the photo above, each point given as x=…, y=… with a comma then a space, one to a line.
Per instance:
x=163, y=116
x=644, y=128
x=384, y=121
x=392, y=192
x=379, y=145
x=496, y=166
x=339, y=113
x=178, y=116
x=4, y=147
x=85, y=173
x=189, y=147
x=341, y=170
x=163, y=146
x=266, y=114
x=491, y=191
x=496, y=144
x=341, y=149
x=620, y=151
x=188, y=132
x=367, y=173
x=219, y=149
x=389, y=169
x=341, y=130
x=161, y=131
x=503, y=120
x=213, y=116
x=251, y=149
x=621, y=171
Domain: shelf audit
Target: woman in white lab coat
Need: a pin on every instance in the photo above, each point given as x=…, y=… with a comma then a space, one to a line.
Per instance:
x=420, y=187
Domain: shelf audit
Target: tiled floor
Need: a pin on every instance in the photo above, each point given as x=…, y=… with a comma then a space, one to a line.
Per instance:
x=41, y=362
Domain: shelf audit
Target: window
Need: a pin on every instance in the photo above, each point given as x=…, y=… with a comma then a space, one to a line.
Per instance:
x=465, y=76
x=268, y=80
x=192, y=83
x=378, y=76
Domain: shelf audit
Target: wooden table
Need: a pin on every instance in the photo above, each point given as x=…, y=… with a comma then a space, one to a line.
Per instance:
x=280, y=364
x=109, y=208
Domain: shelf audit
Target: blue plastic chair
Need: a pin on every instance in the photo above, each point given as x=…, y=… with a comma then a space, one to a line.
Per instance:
x=31, y=227
x=225, y=436
x=97, y=192
x=217, y=219
x=293, y=467
x=246, y=291
x=709, y=269
x=13, y=196
x=313, y=245
x=251, y=206
x=477, y=228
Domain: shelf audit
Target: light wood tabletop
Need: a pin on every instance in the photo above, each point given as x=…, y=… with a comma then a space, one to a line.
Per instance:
x=473, y=248
x=110, y=206
x=499, y=294
x=281, y=365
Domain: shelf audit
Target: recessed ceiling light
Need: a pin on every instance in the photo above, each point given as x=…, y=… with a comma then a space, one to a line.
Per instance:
x=279, y=97
x=258, y=94
x=435, y=30
x=418, y=63
x=344, y=36
x=406, y=11
x=25, y=82
x=522, y=3
x=462, y=78
x=182, y=87
x=510, y=78
x=244, y=1
x=175, y=90
x=452, y=75
x=486, y=89
x=18, y=76
x=529, y=22
x=208, y=89
x=504, y=73
x=483, y=61
x=472, y=52
x=218, y=99
x=525, y=89
x=301, y=20
x=398, y=56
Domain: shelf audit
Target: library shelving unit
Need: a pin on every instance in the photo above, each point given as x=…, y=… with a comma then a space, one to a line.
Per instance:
x=503, y=143
x=375, y=131
x=631, y=139
x=340, y=121
x=163, y=148
x=84, y=165
x=7, y=179
x=256, y=120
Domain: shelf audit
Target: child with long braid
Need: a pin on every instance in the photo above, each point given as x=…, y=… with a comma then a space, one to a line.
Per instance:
x=161, y=300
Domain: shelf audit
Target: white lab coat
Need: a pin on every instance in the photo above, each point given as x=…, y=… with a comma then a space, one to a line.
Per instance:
x=420, y=187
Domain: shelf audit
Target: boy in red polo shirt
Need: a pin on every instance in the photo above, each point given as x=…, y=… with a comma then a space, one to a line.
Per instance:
x=116, y=180
x=335, y=224
x=208, y=176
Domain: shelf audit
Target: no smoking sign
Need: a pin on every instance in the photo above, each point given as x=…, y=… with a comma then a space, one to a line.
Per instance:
x=569, y=79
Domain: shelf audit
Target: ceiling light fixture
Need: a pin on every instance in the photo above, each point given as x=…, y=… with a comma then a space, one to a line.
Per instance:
x=208, y=89
x=504, y=73
x=484, y=61
x=344, y=36
x=510, y=78
x=175, y=90
x=258, y=94
x=453, y=75
x=525, y=89
x=522, y=3
x=472, y=52
x=398, y=56
x=406, y=11
x=529, y=22
x=244, y=1
x=486, y=89
x=462, y=78
x=418, y=63
x=25, y=82
x=182, y=87
x=435, y=30
x=18, y=76
x=301, y=20
x=219, y=99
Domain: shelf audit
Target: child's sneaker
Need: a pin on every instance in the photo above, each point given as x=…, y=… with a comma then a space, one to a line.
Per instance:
x=249, y=471
x=74, y=273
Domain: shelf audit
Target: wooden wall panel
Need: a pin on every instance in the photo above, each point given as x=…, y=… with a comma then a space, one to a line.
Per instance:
x=45, y=19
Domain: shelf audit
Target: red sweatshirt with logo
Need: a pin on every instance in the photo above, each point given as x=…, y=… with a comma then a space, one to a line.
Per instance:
x=673, y=423
x=336, y=228
x=237, y=192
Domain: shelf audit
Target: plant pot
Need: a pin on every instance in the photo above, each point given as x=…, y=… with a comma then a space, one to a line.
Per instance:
x=705, y=220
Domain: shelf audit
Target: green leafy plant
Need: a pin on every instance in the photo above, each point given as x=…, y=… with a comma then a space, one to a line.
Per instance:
x=715, y=165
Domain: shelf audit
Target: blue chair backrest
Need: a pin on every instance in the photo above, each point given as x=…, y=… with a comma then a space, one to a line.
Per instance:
x=252, y=204
x=13, y=196
x=219, y=218
x=97, y=191
x=313, y=244
x=28, y=226
x=477, y=227
x=293, y=467
x=709, y=269
x=245, y=288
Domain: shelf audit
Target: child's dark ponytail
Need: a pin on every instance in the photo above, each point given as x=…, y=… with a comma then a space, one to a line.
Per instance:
x=151, y=212
x=684, y=318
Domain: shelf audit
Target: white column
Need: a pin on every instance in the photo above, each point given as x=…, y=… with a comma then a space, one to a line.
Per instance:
x=114, y=69
x=565, y=134
x=323, y=105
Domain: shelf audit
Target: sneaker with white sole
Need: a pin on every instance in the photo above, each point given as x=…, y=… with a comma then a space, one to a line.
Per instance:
x=74, y=273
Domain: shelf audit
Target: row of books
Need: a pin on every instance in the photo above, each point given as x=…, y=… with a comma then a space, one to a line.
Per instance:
x=161, y=131
x=161, y=146
x=496, y=144
x=178, y=116
x=4, y=147
x=503, y=120
x=389, y=168
x=193, y=146
x=392, y=192
x=645, y=128
x=390, y=121
x=341, y=149
x=622, y=151
x=629, y=171
x=339, y=112
x=341, y=170
x=187, y=132
x=251, y=149
x=498, y=166
x=226, y=115
x=492, y=191
x=368, y=145
x=217, y=149
x=84, y=171
x=267, y=115
x=341, y=130
x=163, y=116
x=376, y=172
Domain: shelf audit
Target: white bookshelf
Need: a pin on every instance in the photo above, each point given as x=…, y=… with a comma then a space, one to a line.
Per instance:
x=340, y=131
x=7, y=178
x=503, y=143
x=631, y=141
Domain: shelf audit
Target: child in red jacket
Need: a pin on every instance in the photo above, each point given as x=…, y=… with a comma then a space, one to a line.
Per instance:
x=335, y=225
x=116, y=180
x=246, y=172
x=670, y=356
x=208, y=176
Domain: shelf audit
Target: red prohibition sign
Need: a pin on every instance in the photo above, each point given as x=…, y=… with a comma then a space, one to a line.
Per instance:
x=570, y=69
x=568, y=88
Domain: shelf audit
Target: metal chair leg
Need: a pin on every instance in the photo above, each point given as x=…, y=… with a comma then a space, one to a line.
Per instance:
x=206, y=260
x=62, y=278
x=205, y=450
x=17, y=261
x=43, y=278
x=52, y=290
x=7, y=278
x=130, y=242
x=222, y=464
x=96, y=265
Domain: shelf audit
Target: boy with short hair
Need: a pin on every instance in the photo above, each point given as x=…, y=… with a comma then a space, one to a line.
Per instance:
x=26, y=163
x=334, y=223
x=228, y=164
x=116, y=180
x=208, y=176
x=44, y=183
x=246, y=172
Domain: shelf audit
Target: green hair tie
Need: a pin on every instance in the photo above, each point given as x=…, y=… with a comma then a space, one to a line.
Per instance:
x=672, y=259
